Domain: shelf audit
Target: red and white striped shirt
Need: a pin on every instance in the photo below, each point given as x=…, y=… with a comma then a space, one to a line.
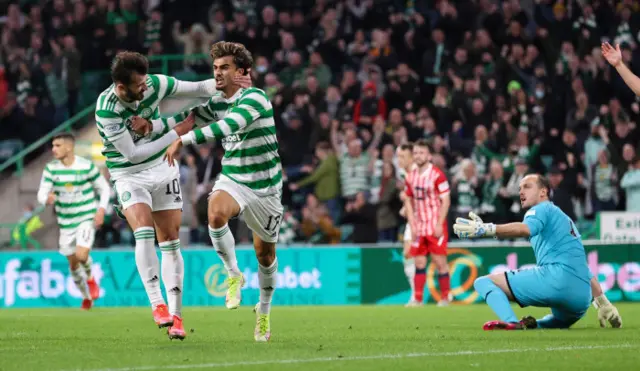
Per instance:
x=426, y=190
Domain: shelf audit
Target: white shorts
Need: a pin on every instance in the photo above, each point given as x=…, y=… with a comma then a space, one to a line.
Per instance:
x=158, y=187
x=407, y=233
x=83, y=236
x=262, y=214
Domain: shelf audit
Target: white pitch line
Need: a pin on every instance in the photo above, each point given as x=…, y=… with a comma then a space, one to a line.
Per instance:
x=364, y=358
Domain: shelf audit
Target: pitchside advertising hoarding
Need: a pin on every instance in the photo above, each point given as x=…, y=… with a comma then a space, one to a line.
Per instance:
x=619, y=227
x=340, y=275
x=306, y=276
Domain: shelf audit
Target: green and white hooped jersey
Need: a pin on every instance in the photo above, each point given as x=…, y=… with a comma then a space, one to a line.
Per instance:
x=113, y=120
x=75, y=190
x=245, y=125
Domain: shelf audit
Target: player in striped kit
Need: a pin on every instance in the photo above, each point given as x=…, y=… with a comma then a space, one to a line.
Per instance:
x=251, y=179
x=404, y=154
x=427, y=205
x=71, y=184
x=148, y=189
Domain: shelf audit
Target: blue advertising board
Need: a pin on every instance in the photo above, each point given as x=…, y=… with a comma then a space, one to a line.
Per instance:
x=306, y=276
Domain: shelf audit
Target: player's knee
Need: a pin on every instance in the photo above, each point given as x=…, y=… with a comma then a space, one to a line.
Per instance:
x=217, y=218
x=266, y=255
x=82, y=256
x=170, y=235
x=421, y=262
x=483, y=285
x=73, y=264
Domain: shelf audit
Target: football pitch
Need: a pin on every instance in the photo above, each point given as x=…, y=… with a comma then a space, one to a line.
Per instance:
x=310, y=338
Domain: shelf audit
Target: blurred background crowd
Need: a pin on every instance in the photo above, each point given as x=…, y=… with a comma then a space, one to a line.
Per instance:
x=499, y=88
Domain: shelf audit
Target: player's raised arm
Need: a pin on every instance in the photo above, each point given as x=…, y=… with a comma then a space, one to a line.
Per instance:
x=475, y=227
x=199, y=89
x=45, y=188
x=114, y=130
x=614, y=57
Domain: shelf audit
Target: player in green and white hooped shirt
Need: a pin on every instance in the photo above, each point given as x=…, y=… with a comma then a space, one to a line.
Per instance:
x=71, y=184
x=404, y=153
x=251, y=179
x=148, y=189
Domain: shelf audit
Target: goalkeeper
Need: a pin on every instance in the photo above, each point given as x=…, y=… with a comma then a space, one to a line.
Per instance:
x=561, y=279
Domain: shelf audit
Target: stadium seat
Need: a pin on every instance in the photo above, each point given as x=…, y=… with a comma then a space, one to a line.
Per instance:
x=9, y=148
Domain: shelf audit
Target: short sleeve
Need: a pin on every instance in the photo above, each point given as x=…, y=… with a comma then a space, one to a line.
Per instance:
x=535, y=219
x=442, y=184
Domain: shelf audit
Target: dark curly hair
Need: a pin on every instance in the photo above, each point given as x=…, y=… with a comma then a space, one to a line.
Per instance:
x=125, y=64
x=241, y=56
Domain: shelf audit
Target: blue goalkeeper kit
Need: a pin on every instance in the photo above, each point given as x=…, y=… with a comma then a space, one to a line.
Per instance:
x=561, y=279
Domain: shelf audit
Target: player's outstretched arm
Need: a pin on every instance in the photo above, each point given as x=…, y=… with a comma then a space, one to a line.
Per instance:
x=203, y=114
x=115, y=131
x=474, y=227
x=187, y=89
x=512, y=230
x=199, y=89
x=251, y=107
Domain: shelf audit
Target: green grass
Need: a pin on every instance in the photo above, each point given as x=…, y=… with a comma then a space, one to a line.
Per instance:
x=310, y=338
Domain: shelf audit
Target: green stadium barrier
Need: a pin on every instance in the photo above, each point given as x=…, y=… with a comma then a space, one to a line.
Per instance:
x=337, y=275
x=169, y=64
x=18, y=159
x=384, y=282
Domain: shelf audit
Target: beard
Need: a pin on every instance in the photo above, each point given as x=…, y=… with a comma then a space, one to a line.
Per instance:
x=131, y=96
x=420, y=163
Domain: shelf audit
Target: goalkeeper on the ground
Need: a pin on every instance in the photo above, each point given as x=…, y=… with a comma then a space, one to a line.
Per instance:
x=561, y=279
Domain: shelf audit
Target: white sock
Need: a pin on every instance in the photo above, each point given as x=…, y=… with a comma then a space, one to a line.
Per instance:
x=267, y=277
x=225, y=245
x=173, y=275
x=86, y=266
x=148, y=264
x=80, y=282
x=410, y=272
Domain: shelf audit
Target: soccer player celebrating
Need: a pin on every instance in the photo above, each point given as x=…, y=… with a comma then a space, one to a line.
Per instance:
x=71, y=183
x=251, y=179
x=427, y=204
x=148, y=189
x=404, y=155
x=561, y=280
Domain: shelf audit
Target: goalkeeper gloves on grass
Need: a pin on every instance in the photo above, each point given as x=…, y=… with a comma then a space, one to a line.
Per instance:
x=607, y=312
x=473, y=227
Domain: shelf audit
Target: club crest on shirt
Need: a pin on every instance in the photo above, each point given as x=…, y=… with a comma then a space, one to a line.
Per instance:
x=146, y=113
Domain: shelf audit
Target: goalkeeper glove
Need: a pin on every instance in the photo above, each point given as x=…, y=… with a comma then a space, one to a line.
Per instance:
x=473, y=227
x=607, y=312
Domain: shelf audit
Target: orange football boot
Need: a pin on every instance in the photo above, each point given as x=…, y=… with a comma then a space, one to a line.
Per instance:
x=176, y=331
x=161, y=316
x=94, y=289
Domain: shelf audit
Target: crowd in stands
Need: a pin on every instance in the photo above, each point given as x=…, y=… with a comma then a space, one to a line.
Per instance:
x=499, y=89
